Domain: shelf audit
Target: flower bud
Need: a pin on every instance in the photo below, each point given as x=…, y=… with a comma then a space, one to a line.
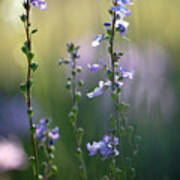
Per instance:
x=79, y=69
x=34, y=65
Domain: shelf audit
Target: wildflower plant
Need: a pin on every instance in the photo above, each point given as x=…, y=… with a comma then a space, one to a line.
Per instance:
x=73, y=84
x=46, y=138
x=117, y=145
x=41, y=135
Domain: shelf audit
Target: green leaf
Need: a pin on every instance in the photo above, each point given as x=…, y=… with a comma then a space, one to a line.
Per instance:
x=23, y=18
x=25, y=50
x=30, y=55
x=25, y=5
x=34, y=31
x=23, y=87
x=120, y=54
x=109, y=32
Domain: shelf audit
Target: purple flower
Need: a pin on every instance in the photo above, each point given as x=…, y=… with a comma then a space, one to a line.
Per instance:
x=121, y=10
x=43, y=132
x=126, y=74
x=98, y=40
x=122, y=26
x=96, y=67
x=93, y=149
x=106, y=146
x=54, y=133
x=40, y=130
x=127, y=2
x=41, y=3
x=99, y=90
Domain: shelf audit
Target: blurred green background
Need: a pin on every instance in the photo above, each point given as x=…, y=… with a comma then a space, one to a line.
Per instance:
x=153, y=51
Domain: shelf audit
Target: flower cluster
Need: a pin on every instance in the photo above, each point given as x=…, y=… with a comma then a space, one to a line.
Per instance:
x=74, y=55
x=46, y=138
x=119, y=77
x=43, y=133
x=121, y=11
x=41, y=3
x=106, y=146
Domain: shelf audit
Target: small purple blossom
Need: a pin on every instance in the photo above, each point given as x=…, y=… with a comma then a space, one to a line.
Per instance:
x=43, y=133
x=100, y=89
x=122, y=26
x=127, y=2
x=98, y=40
x=93, y=149
x=41, y=3
x=121, y=10
x=106, y=146
x=54, y=133
x=40, y=129
x=96, y=67
x=126, y=74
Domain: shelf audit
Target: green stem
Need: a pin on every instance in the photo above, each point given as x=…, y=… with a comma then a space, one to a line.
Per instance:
x=33, y=139
x=47, y=170
x=78, y=145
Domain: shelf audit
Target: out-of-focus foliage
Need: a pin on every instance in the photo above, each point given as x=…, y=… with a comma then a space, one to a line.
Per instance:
x=153, y=52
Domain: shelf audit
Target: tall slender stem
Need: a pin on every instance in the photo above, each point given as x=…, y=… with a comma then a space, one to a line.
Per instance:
x=33, y=139
x=116, y=101
x=47, y=169
x=78, y=145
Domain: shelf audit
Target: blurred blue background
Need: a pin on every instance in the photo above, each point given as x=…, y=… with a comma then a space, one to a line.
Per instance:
x=152, y=51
